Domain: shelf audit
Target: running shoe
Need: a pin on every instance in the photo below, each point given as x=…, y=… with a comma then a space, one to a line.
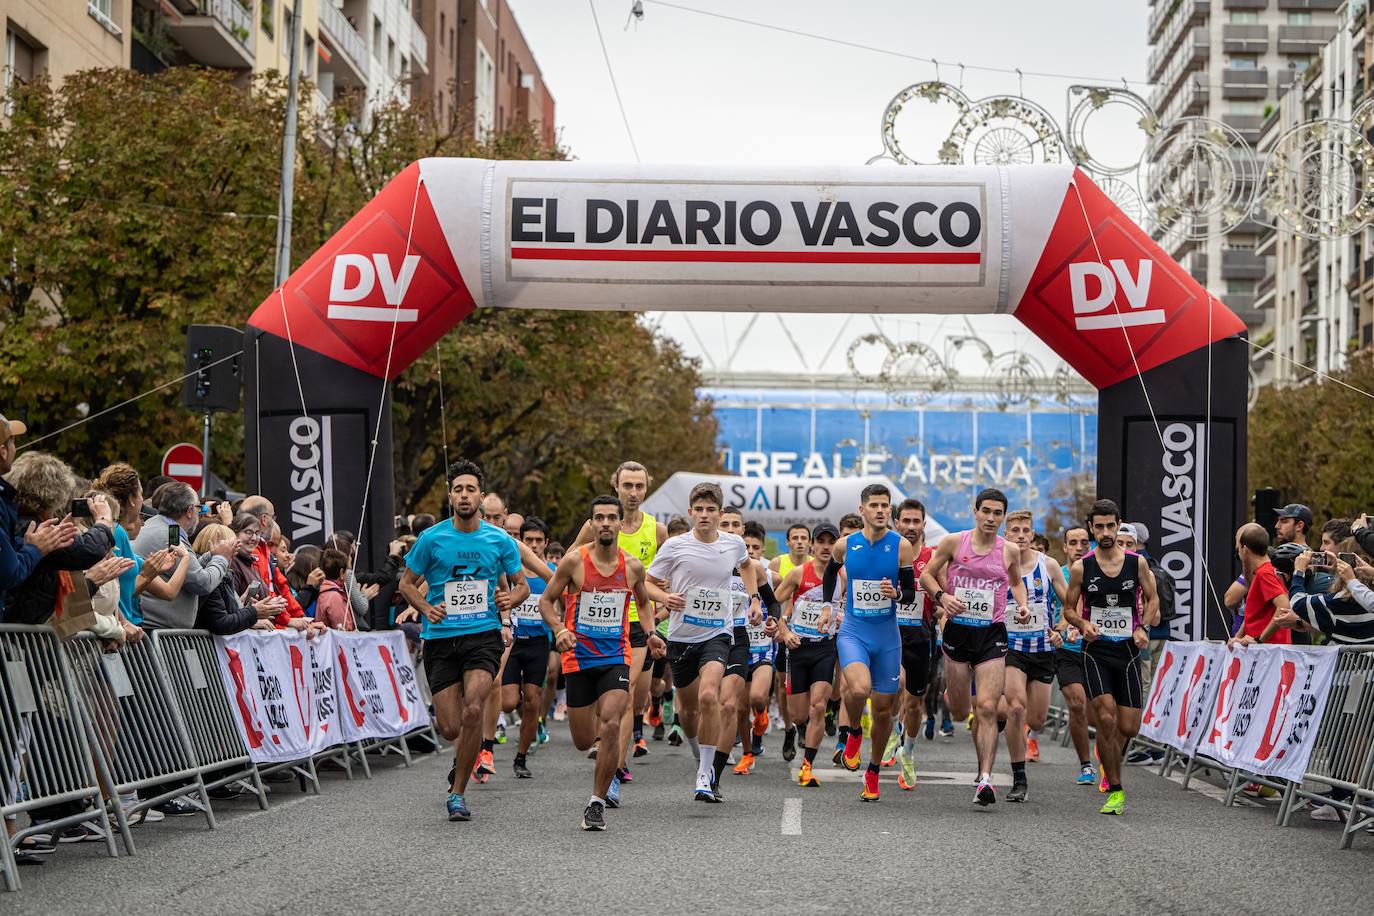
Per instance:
x=830, y=722
x=659, y=731
x=522, y=771
x=1032, y=749
x=890, y=752
x=870, y=791
x=541, y=734
x=968, y=723
x=761, y=724
x=1086, y=775
x=947, y=731
x=594, y=817
x=756, y=745
x=789, y=744
x=641, y=747
x=907, y=778
x=500, y=733
x=1327, y=813
x=486, y=764
x=985, y=794
x=560, y=712
x=716, y=793
x=1116, y=803
x=675, y=736
x=839, y=752
x=656, y=716
x=805, y=778
x=1019, y=790
x=81, y=833
x=457, y=808
x=1103, y=785
x=930, y=729
x=1259, y=791
x=703, y=792
x=591, y=755
x=746, y=763
x=452, y=775
x=623, y=774
x=853, y=751
x=1136, y=758
x=613, y=793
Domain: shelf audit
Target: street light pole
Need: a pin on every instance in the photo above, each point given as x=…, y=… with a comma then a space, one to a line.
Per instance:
x=288, y=155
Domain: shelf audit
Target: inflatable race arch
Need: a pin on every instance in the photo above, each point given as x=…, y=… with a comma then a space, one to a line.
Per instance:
x=1042, y=243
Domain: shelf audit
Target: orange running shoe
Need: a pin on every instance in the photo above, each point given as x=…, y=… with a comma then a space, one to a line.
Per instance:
x=853, y=751
x=805, y=779
x=761, y=725
x=745, y=764
x=1033, y=750
x=486, y=764
x=870, y=792
x=656, y=718
x=903, y=784
x=641, y=747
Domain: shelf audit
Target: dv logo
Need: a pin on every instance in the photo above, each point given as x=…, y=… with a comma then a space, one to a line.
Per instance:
x=1088, y=310
x=371, y=271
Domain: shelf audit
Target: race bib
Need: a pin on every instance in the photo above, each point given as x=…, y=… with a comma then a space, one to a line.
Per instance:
x=707, y=607
x=1114, y=623
x=527, y=612
x=759, y=640
x=977, y=606
x=806, y=618
x=1036, y=626
x=913, y=614
x=601, y=613
x=465, y=601
x=868, y=600
x=741, y=605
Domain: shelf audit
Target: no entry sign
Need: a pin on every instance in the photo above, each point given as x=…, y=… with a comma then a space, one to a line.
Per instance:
x=185, y=462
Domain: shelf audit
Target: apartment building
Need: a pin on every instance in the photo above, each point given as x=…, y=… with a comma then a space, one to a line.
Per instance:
x=42, y=37
x=498, y=81
x=1317, y=296
x=1229, y=60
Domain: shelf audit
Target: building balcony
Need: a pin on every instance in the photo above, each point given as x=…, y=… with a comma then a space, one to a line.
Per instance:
x=1244, y=84
x=342, y=52
x=1168, y=18
x=1248, y=126
x=1241, y=264
x=1328, y=5
x=219, y=34
x=1245, y=39
x=1185, y=42
x=1195, y=262
x=1304, y=39
x=1192, y=56
x=1243, y=304
x=419, y=47
x=1246, y=4
x=1264, y=244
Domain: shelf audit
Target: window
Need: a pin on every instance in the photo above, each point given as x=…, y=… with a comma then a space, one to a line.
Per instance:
x=1299, y=17
x=1240, y=287
x=484, y=102
x=1243, y=108
x=1244, y=17
x=443, y=30
x=1236, y=62
x=23, y=62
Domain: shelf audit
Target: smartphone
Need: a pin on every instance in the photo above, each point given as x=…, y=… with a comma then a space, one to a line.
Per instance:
x=1346, y=558
x=400, y=524
x=173, y=537
x=204, y=508
x=81, y=508
x=1320, y=560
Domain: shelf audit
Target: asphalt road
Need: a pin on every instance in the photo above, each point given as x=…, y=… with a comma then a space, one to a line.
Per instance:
x=384, y=846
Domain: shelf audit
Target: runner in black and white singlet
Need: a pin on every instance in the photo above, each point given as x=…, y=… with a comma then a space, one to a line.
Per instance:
x=1113, y=586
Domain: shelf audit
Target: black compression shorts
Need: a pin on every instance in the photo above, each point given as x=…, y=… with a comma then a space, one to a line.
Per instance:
x=688, y=658
x=1113, y=668
x=966, y=645
x=812, y=662
x=916, y=660
x=1039, y=666
x=528, y=662
x=586, y=687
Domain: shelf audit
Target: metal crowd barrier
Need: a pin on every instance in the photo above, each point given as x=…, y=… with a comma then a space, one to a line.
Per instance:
x=140, y=747
x=188, y=657
x=44, y=758
x=1343, y=753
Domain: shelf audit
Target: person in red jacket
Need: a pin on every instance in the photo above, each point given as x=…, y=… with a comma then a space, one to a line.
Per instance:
x=260, y=507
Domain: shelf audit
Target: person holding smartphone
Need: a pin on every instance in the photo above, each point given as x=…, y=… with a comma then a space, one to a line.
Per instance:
x=1346, y=617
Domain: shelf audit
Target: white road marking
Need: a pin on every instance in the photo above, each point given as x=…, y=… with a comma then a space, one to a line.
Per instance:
x=791, y=816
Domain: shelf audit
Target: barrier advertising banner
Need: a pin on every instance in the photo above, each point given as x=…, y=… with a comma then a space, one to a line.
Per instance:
x=295, y=697
x=1256, y=709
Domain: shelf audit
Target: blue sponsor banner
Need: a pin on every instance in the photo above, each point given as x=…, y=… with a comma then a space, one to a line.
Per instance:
x=941, y=451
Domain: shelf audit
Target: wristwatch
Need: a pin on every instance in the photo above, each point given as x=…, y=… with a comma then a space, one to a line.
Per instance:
x=940, y=596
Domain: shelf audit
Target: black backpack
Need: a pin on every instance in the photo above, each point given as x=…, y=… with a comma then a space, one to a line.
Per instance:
x=1165, y=588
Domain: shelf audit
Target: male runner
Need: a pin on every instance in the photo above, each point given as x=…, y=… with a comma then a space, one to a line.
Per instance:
x=914, y=622
x=1030, y=650
x=879, y=566
x=798, y=545
x=752, y=714
x=593, y=634
x=640, y=536
x=466, y=622
x=1068, y=666
x=798, y=551
x=697, y=568
x=850, y=523
x=1111, y=582
x=527, y=666
x=734, y=696
x=970, y=575
x=806, y=631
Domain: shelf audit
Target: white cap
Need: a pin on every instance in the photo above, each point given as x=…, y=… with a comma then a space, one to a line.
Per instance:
x=1126, y=530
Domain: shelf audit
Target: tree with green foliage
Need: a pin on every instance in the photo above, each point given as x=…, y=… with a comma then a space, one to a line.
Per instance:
x=140, y=205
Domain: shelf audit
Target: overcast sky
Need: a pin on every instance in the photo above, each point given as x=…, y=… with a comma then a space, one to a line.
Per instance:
x=699, y=89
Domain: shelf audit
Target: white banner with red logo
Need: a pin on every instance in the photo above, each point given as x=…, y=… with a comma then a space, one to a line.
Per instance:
x=1257, y=709
x=294, y=697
